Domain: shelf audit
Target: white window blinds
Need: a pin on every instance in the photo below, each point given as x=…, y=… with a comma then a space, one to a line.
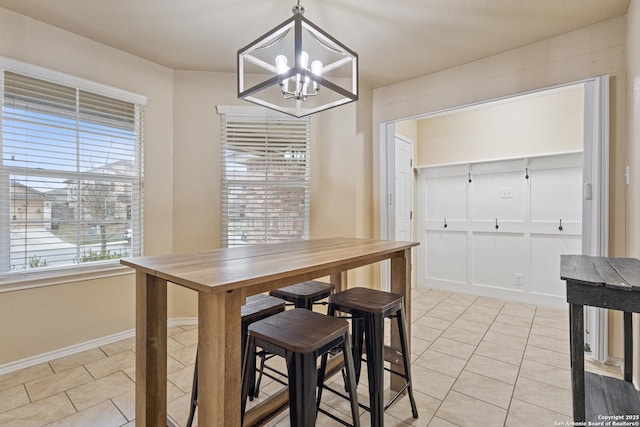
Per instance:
x=71, y=177
x=264, y=179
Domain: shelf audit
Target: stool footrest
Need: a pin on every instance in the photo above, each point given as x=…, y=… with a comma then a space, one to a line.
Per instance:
x=330, y=415
x=368, y=408
x=394, y=398
x=344, y=396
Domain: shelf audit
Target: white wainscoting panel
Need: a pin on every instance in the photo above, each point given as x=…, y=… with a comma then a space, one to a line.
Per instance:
x=501, y=234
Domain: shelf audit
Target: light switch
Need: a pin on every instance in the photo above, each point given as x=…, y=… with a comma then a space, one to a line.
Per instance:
x=507, y=192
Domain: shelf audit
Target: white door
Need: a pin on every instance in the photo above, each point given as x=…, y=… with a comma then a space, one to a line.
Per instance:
x=403, y=189
x=396, y=213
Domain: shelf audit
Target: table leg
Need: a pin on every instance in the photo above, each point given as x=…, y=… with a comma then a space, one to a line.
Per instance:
x=576, y=313
x=151, y=350
x=628, y=347
x=219, y=360
x=401, y=284
x=339, y=280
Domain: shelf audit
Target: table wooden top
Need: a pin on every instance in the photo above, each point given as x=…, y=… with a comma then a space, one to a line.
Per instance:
x=615, y=273
x=220, y=270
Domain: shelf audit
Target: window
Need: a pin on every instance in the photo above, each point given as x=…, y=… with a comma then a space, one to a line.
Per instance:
x=265, y=177
x=70, y=178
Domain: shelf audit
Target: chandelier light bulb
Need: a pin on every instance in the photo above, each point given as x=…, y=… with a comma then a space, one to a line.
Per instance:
x=281, y=64
x=304, y=59
x=281, y=68
x=316, y=67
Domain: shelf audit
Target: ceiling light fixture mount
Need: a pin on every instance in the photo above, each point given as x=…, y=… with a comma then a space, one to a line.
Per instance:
x=275, y=70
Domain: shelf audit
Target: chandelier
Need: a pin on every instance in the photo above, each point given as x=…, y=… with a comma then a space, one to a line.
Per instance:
x=297, y=68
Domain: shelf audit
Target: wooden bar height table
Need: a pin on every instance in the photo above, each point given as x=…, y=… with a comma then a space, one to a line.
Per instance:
x=612, y=283
x=223, y=279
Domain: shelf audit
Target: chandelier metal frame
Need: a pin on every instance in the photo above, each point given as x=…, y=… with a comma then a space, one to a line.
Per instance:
x=339, y=77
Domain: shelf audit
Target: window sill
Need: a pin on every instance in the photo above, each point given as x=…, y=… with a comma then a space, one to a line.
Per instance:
x=22, y=281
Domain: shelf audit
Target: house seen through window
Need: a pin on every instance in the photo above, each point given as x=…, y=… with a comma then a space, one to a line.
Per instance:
x=71, y=176
x=264, y=178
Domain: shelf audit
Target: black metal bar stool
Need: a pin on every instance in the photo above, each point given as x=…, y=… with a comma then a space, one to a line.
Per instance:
x=301, y=336
x=300, y=295
x=305, y=294
x=369, y=308
x=256, y=308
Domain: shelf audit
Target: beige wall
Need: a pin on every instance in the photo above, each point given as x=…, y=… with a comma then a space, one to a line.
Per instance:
x=408, y=128
x=545, y=123
x=40, y=320
x=196, y=170
x=341, y=181
x=588, y=52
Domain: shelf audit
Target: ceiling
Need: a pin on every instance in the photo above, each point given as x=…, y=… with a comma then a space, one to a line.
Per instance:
x=395, y=39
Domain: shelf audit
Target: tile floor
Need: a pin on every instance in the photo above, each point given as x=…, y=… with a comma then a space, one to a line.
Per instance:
x=476, y=362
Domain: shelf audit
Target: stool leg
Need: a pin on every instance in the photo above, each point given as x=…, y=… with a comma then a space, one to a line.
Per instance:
x=249, y=354
x=374, y=333
x=263, y=359
x=357, y=329
x=252, y=369
x=194, y=394
x=321, y=375
x=406, y=358
x=303, y=378
x=350, y=380
x=356, y=340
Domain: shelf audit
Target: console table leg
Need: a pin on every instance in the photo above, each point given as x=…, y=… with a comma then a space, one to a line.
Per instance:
x=576, y=313
x=628, y=347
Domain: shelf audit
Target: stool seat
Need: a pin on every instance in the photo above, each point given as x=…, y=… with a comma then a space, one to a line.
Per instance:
x=260, y=305
x=300, y=331
x=367, y=300
x=304, y=294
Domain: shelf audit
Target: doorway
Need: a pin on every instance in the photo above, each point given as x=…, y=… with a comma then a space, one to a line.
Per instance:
x=594, y=217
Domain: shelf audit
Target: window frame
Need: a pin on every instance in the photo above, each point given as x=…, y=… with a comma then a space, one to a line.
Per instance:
x=11, y=281
x=267, y=117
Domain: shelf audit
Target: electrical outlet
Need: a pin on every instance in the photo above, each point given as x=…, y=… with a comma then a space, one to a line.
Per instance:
x=518, y=279
x=507, y=193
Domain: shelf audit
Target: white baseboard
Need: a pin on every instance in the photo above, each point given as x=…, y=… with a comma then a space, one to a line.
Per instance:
x=508, y=294
x=87, y=345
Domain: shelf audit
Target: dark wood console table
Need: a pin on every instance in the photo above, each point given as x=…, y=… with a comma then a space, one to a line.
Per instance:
x=612, y=283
